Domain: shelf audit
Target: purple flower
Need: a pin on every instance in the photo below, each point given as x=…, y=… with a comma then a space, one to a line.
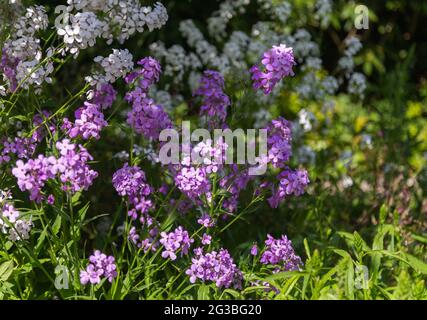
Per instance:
x=130, y=181
x=280, y=252
x=8, y=65
x=74, y=171
x=89, y=122
x=193, y=182
x=206, y=239
x=100, y=265
x=254, y=250
x=148, y=74
x=51, y=199
x=291, y=182
x=234, y=182
x=175, y=240
x=32, y=175
x=278, y=63
x=279, y=142
x=146, y=117
x=206, y=221
x=105, y=96
x=215, y=101
x=215, y=266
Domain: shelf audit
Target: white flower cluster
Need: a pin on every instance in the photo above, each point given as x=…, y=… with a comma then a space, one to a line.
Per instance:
x=279, y=10
x=218, y=22
x=323, y=11
x=11, y=222
x=82, y=31
x=346, y=63
x=115, y=66
x=306, y=119
x=35, y=19
x=32, y=72
x=176, y=60
x=130, y=17
x=357, y=84
x=195, y=39
x=109, y=19
x=23, y=52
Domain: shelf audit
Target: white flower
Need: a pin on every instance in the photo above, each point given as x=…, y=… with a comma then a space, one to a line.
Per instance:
x=82, y=32
x=35, y=19
x=357, y=84
x=115, y=66
x=306, y=119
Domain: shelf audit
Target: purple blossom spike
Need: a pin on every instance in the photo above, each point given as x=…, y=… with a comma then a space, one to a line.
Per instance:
x=215, y=101
x=100, y=265
x=278, y=63
x=291, y=182
x=279, y=252
x=88, y=124
x=175, y=240
x=218, y=267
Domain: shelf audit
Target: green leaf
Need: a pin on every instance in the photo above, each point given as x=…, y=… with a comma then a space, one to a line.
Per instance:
x=57, y=225
x=416, y=263
x=383, y=214
x=203, y=292
x=6, y=270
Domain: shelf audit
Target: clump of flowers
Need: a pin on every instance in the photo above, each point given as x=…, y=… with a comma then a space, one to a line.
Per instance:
x=71, y=167
x=278, y=63
x=103, y=96
x=147, y=75
x=215, y=101
x=279, y=142
x=280, y=253
x=193, y=181
x=130, y=181
x=88, y=124
x=178, y=239
x=146, y=117
x=12, y=224
x=100, y=266
x=291, y=182
x=215, y=266
x=116, y=65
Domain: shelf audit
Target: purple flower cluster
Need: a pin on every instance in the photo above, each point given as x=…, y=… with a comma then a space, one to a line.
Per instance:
x=8, y=65
x=279, y=142
x=21, y=147
x=280, y=252
x=72, y=168
x=75, y=173
x=24, y=147
x=104, y=96
x=215, y=101
x=218, y=267
x=291, y=182
x=234, y=182
x=178, y=239
x=149, y=243
x=278, y=63
x=89, y=122
x=100, y=265
x=193, y=182
x=147, y=75
x=130, y=181
x=211, y=156
x=146, y=117
x=206, y=221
